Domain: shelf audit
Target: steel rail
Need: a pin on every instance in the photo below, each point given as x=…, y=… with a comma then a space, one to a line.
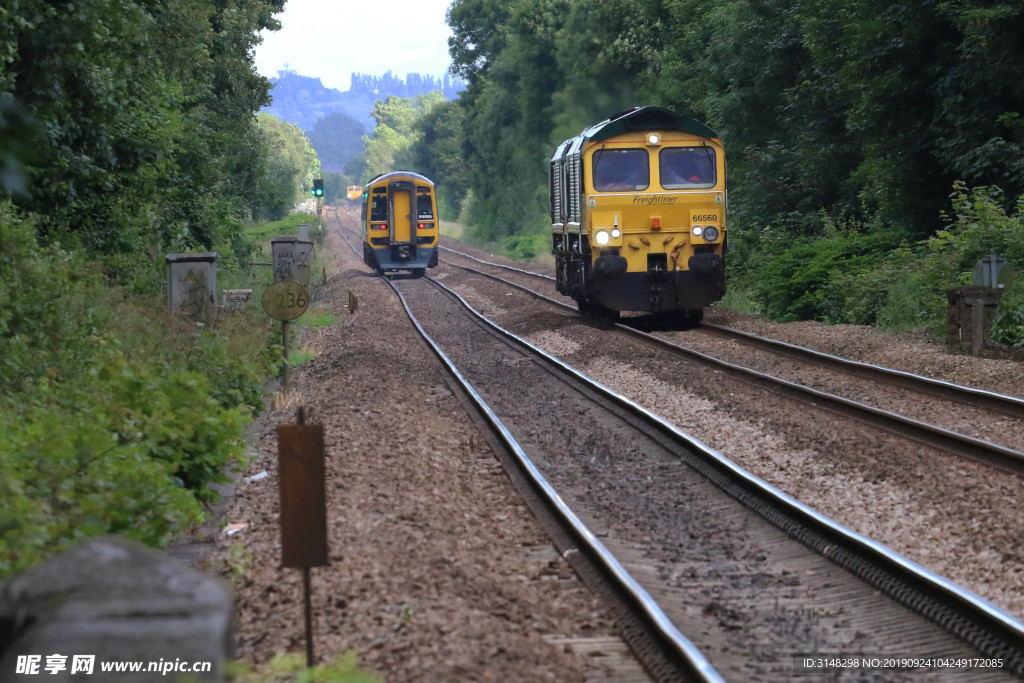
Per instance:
x=496, y=265
x=989, y=400
x=965, y=614
x=982, y=450
x=673, y=645
x=986, y=627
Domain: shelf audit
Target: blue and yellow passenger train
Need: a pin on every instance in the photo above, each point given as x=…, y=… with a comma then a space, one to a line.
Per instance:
x=638, y=215
x=399, y=223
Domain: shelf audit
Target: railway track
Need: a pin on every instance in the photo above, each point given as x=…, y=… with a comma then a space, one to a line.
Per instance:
x=623, y=470
x=926, y=396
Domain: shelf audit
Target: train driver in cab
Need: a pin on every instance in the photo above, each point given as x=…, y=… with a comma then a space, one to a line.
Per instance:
x=687, y=167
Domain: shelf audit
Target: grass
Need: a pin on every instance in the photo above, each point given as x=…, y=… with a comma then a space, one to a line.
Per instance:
x=316, y=318
x=740, y=299
x=286, y=227
x=300, y=356
x=452, y=229
x=292, y=668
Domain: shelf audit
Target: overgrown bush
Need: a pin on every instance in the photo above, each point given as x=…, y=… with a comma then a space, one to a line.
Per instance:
x=1008, y=327
x=114, y=416
x=526, y=246
x=978, y=224
x=867, y=274
x=800, y=278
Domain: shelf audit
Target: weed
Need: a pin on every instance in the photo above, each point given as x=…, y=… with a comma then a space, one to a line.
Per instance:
x=740, y=298
x=300, y=356
x=316, y=318
x=239, y=560
x=289, y=668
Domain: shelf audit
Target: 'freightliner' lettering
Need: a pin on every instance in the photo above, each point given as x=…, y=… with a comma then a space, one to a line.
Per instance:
x=653, y=199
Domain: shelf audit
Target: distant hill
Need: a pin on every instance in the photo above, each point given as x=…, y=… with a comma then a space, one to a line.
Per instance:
x=303, y=100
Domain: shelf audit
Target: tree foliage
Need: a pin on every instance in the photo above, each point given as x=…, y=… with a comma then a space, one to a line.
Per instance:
x=292, y=165
x=390, y=147
x=833, y=112
x=337, y=138
x=831, y=108
x=144, y=114
x=126, y=128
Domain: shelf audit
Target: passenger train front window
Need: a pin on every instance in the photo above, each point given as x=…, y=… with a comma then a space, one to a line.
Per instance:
x=379, y=208
x=621, y=170
x=684, y=168
x=424, y=208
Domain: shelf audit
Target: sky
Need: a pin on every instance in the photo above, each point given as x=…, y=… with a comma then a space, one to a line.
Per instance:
x=329, y=40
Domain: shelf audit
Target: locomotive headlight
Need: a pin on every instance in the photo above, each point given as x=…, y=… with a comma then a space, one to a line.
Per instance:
x=710, y=233
x=616, y=233
x=602, y=237
x=697, y=230
x=653, y=139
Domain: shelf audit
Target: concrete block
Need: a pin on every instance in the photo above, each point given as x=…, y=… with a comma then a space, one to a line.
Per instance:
x=118, y=601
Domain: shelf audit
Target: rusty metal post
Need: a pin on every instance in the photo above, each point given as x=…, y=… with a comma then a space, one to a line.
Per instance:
x=284, y=344
x=302, y=476
x=307, y=590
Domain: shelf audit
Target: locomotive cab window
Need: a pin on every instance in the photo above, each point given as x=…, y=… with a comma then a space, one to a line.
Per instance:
x=621, y=170
x=684, y=168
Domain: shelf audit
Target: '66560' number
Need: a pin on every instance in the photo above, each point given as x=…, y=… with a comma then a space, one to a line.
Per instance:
x=705, y=218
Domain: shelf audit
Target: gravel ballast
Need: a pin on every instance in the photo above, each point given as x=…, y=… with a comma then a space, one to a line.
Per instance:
x=438, y=570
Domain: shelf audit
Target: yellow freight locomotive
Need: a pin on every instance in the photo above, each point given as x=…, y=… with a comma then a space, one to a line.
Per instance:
x=354, y=192
x=638, y=215
x=399, y=223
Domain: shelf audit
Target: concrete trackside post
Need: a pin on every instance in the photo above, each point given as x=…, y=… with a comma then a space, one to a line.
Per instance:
x=192, y=284
x=971, y=312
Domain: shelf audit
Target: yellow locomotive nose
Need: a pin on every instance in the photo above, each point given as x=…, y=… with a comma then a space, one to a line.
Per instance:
x=626, y=196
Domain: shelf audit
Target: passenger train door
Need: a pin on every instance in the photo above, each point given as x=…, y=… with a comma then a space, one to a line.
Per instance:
x=402, y=219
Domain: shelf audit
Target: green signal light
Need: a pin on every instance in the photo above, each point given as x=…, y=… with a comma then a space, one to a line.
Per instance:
x=318, y=188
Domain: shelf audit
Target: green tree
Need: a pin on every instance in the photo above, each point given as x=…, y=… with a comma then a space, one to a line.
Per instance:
x=439, y=154
x=292, y=164
x=980, y=130
x=396, y=131
x=512, y=72
x=145, y=114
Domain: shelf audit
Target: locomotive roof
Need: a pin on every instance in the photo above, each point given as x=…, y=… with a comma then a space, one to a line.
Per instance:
x=645, y=118
x=399, y=174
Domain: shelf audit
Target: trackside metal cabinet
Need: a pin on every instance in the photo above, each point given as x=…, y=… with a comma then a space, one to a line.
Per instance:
x=192, y=284
x=292, y=259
